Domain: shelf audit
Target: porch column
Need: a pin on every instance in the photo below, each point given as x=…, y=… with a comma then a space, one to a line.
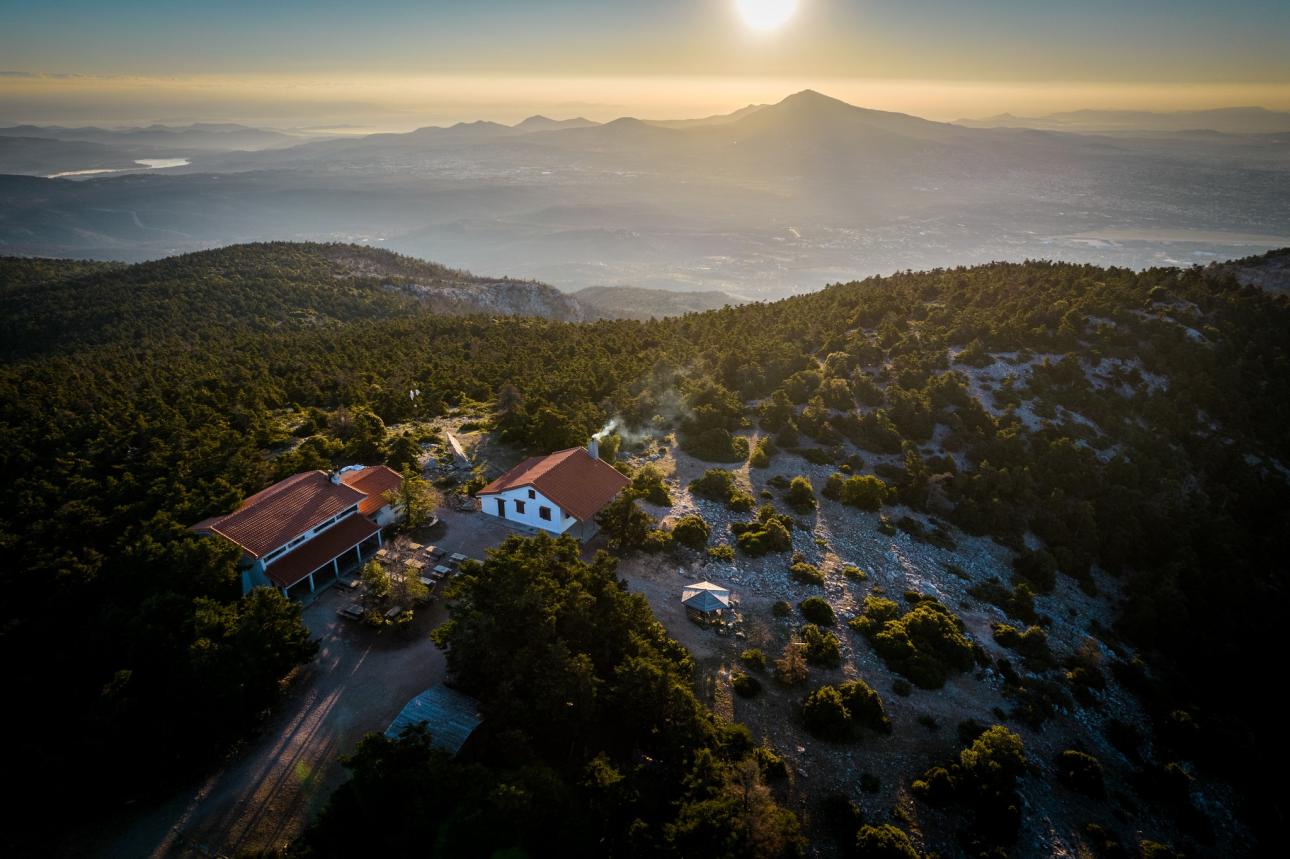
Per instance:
x=311, y=583
x=335, y=565
x=379, y=541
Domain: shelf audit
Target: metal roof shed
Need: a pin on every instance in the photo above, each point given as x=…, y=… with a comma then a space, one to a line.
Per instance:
x=449, y=715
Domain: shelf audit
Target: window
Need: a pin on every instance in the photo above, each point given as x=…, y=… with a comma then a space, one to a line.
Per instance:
x=519, y=506
x=544, y=513
x=532, y=493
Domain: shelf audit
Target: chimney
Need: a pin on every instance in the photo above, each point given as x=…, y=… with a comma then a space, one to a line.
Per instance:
x=334, y=477
x=593, y=447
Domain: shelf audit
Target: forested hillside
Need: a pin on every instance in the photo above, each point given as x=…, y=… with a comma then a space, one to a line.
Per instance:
x=53, y=305
x=1090, y=419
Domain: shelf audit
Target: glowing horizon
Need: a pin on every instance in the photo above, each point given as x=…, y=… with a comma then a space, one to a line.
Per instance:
x=379, y=103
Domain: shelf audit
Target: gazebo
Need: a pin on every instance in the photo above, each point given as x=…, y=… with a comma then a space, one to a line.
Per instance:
x=705, y=597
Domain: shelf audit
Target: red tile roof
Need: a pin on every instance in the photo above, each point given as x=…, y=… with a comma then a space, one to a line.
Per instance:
x=312, y=554
x=373, y=481
x=272, y=517
x=577, y=481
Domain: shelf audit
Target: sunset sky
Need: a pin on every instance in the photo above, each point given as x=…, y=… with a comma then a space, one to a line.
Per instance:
x=398, y=64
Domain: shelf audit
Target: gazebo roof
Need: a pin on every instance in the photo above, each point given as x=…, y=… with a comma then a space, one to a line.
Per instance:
x=705, y=597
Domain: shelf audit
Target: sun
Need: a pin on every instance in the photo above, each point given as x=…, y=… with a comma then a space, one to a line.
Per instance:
x=766, y=14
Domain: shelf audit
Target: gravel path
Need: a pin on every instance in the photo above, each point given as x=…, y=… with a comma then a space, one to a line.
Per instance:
x=264, y=795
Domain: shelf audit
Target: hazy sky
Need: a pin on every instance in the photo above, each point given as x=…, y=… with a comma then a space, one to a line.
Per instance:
x=394, y=63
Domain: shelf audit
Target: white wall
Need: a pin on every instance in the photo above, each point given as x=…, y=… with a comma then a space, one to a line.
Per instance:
x=561, y=520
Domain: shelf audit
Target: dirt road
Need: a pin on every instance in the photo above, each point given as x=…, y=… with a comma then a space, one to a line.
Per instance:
x=265, y=795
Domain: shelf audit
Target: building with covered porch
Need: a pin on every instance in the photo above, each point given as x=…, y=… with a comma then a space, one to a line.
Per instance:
x=300, y=533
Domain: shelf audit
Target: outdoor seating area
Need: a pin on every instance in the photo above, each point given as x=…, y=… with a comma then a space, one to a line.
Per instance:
x=402, y=557
x=711, y=605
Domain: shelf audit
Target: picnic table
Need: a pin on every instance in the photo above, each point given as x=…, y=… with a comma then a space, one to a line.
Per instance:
x=394, y=612
x=415, y=547
x=428, y=582
x=416, y=565
x=441, y=570
x=435, y=552
x=353, y=611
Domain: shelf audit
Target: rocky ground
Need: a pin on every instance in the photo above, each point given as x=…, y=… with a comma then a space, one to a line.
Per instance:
x=924, y=723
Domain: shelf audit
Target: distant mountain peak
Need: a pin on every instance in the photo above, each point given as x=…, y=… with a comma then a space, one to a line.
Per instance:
x=814, y=98
x=538, y=122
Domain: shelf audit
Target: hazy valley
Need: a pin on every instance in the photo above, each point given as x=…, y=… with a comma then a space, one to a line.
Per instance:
x=768, y=201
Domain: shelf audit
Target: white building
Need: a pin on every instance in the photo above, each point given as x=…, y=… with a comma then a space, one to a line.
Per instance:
x=560, y=493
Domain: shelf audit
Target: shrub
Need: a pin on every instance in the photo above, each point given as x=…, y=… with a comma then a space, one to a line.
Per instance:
x=1005, y=635
x=841, y=817
x=934, y=787
x=974, y=355
x=826, y=714
x=817, y=610
x=806, y=573
x=1036, y=700
x=648, y=483
x=1105, y=845
x=769, y=532
x=740, y=501
x=773, y=766
x=821, y=646
x=801, y=495
x=926, y=644
x=1031, y=644
x=863, y=491
x=745, y=685
x=657, y=540
x=790, y=668
x=1037, y=568
x=1019, y=603
x=762, y=452
x=1156, y=850
x=935, y=536
x=722, y=552
x=754, y=658
x=994, y=760
x=781, y=608
x=851, y=571
x=716, y=484
x=865, y=706
x=787, y=436
x=1080, y=772
x=815, y=455
x=884, y=842
x=716, y=444
x=691, y=531
x=901, y=687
